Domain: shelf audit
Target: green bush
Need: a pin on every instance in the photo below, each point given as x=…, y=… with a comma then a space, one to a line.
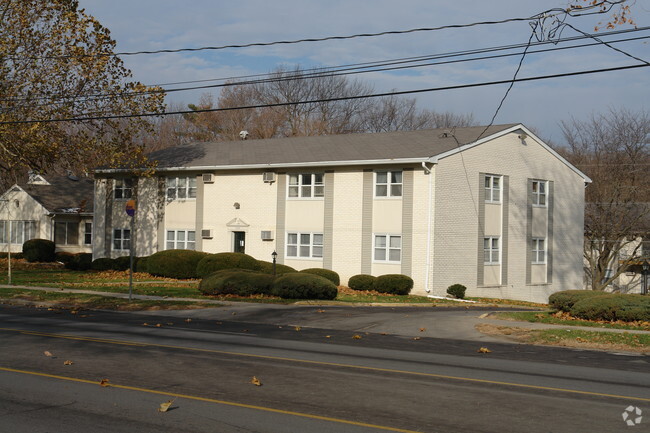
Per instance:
x=141, y=264
x=613, y=306
x=303, y=286
x=220, y=261
x=241, y=282
x=325, y=273
x=80, y=262
x=39, y=250
x=362, y=282
x=102, y=264
x=565, y=300
x=63, y=257
x=123, y=263
x=457, y=291
x=13, y=255
x=395, y=284
x=175, y=263
x=267, y=268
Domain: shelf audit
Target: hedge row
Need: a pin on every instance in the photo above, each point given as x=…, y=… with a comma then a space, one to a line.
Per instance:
x=596, y=305
x=395, y=284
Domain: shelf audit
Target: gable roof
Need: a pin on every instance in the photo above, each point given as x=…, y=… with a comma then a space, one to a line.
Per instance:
x=63, y=194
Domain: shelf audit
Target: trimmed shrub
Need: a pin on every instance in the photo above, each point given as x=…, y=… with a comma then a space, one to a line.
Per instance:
x=236, y=282
x=267, y=268
x=325, y=273
x=175, y=263
x=80, y=262
x=103, y=264
x=457, y=291
x=299, y=285
x=141, y=264
x=63, y=257
x=613, y=306
x=13, y=255
x=362, y=282
x=39, y=250
x=220, y=261
x=123, y=263
x=565, y=300
x=395, y=284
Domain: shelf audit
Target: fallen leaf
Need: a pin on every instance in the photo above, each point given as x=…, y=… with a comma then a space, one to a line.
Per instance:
x=383, y=333
x=320, y=311
x=145, y=324
x=188, y=320
x=416, y=338
x=73, y=312
x=158, y=325
x=356, y=337
x=297, y=328
x=255, y=381
x=104, y=382
x=484, y=350
x=233, y=313
x=68, y=362
x=328, y=336
x=164, y=407
x=423, y=329
x=47, y=353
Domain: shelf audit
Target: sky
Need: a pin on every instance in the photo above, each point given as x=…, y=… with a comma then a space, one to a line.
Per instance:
x=142, y=25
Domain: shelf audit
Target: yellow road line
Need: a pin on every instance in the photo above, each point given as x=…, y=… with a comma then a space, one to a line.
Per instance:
x=333, y=364
x=211, y=400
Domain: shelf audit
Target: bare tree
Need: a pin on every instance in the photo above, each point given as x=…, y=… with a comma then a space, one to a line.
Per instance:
x=612, y=149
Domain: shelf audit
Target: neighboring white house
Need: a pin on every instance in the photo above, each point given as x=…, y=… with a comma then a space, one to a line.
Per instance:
x=498, y=210
x=58, y=209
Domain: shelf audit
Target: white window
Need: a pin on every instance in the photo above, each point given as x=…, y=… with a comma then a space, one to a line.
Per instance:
x=305, y=245
x=181, y=187
x=121, y=239
x=3, y=232
x=181, y=239
x=123, y=188
x=491, y=254
x=539, y=250
x=66, y=233
x=492, y=189
x=388, y=184
x=388, y=248
x=539, y=192
x=88, y=233
x=20, y=231
x=306, y=185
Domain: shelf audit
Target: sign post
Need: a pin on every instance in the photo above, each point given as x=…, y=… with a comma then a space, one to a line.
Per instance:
x=130, y=211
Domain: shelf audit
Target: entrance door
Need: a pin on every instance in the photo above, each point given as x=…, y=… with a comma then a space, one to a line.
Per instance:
x=239, y=242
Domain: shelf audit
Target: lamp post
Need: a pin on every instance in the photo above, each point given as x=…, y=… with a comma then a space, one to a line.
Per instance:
x=644, y=288
x=275, y=256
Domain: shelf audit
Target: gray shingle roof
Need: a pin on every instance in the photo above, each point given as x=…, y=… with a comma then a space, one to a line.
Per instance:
x=63, y=193
x=325, y=148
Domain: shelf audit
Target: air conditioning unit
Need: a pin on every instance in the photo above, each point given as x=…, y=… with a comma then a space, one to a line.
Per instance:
x=206, y=234
x=268, y=176
x=208, y=178
x=267, y=235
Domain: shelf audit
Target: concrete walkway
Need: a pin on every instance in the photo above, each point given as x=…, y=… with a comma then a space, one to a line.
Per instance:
x=409, y=320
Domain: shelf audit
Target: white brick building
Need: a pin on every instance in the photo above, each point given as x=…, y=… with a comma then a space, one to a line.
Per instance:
x=501, y=213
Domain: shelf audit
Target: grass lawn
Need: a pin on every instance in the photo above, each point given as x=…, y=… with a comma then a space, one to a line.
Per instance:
x=574, y=338
x=565, y=319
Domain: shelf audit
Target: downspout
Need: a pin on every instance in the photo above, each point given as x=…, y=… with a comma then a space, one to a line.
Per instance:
x=427, y=266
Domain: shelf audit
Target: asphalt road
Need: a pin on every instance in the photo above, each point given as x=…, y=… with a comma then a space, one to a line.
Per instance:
x=313, y=379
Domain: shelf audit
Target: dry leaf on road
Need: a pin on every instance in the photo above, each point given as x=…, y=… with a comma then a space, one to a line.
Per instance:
x=47, y=353
x=356, y=337
x=255, y=381
x=484, y=350
x=164, y=407
x=104, y=382
x=67, y=362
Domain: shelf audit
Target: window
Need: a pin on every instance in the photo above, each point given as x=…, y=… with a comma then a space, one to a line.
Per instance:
x=388, y=248
x=539, y=193
x=539, y=250
x=181, y=187
x=181, y=240
x=20, y=231
x=88, y=233
x=306, y=185
x=121, y=239
x=493, y=189
x=491, y=250
x=388, y=184
x=66, y=233
x=3, y=232
x=123, y=188
x=305, y=245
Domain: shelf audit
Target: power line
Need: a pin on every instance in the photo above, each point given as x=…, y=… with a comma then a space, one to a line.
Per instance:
x=602, y=7
x=376, y=95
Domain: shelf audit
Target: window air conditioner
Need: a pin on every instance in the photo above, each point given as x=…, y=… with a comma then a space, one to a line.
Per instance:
x=208, y=178
x=267, y=235
x=268, y=176
x=206, y=234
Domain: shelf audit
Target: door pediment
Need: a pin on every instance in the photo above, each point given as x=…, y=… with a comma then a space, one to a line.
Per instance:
x=237, y=223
